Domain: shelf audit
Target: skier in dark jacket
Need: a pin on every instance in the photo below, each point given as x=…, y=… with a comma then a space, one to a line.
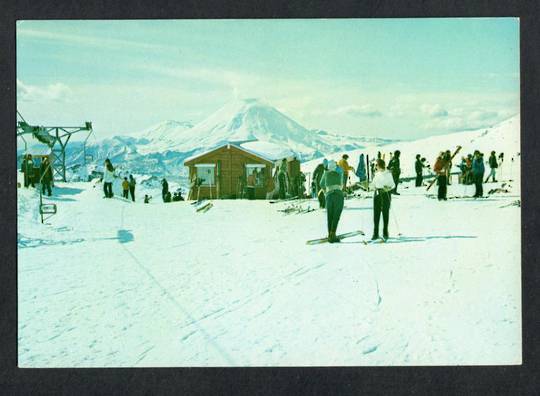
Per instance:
x=27, y=168
x=419, y=167
x=332, y=183
x=132, y=184
x=283, y=179
x=46, y=176
x=493, y=165
x=164, y=189
x=317, y=176
x=478, y=170
x=361, y=169
x=394, y=167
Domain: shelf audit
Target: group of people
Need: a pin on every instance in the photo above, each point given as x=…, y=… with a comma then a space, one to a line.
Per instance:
x=330, y=181
x=166, y=194
x=472, y=171
x=128, y=185
x=331, y=195
x=286, y=185
x=42, y=174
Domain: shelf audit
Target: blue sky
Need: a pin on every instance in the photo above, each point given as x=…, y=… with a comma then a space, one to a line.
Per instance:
x=397, y=78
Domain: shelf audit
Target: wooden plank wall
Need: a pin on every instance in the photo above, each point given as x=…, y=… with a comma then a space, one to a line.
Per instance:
x=233, y=162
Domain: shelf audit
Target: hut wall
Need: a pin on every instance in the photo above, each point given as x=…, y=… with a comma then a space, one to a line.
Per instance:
x=230, y=179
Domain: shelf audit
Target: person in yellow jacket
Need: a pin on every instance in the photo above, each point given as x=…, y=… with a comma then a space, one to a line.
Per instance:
x=125, y=188
x=344, y=165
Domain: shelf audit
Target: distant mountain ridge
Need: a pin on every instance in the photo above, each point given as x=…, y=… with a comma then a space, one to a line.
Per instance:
x=162, y=148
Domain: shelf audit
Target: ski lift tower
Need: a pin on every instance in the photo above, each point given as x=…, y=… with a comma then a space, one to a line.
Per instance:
x=57, y=138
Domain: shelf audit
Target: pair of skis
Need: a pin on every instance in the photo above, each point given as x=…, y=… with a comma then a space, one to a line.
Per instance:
x=340, y=237
x=202, y=207
x=349, y=235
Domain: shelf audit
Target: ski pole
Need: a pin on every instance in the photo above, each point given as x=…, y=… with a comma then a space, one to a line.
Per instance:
x=395, y=222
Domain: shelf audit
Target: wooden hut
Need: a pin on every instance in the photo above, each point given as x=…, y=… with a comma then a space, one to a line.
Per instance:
x=227, y=171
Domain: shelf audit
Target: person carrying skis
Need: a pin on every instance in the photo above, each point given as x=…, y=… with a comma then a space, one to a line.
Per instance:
x=394, y=167
x=125, y=188
x=108, y=178
x=27, y=168
x=46, y=176
x=418, y=167
x=493, y=165
x=478, y=173
x=317, y=175
x=344, y=165
x=383, y=184
x=132, y=184
x=440, y=169
x=331, y=182
x=164, y=189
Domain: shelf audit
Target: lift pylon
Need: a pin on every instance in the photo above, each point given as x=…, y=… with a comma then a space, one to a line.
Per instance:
x=57, y=138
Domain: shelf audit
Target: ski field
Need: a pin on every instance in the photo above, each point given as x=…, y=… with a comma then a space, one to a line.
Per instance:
x=110, y=283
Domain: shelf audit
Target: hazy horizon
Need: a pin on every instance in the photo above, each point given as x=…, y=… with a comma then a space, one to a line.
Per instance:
x=392, y=78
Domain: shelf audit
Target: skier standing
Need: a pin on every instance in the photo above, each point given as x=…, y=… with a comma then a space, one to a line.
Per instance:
x=46, y=176
x=27, y=168
x=317, y=175
x=132, y=184
x=493, y=165
x=125, y=188
x=331, y=182
x=394, y=167
x=344, y=165
x=108, y=178
x=418, y=167
x=440, y=169
x=361, y=169
x=478, y=173
x=164, y=189
x=283, y=179
x=383, y=184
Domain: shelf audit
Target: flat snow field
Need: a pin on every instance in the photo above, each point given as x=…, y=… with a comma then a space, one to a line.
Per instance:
x=109, y=283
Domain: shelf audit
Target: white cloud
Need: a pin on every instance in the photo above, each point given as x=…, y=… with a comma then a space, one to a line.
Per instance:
x=57, y=92
x=101, y=42
x=435, y=110
x=461, y=119
x=357, y=111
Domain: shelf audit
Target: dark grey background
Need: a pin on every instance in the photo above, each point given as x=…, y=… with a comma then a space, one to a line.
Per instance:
x=254, y=381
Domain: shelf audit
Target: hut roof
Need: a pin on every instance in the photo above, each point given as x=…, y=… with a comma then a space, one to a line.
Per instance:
x=265, y=156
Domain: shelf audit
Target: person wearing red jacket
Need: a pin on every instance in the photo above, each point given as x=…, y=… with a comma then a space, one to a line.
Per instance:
x=440, y=168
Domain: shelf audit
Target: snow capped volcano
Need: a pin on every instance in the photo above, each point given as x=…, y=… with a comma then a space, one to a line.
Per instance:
x=248, y=120
x=251, y=119
x=252, y=123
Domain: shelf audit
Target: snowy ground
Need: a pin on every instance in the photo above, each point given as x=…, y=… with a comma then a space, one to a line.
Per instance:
x=112, y=283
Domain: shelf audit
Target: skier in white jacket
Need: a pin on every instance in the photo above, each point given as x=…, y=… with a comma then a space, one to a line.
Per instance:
x=108, y=178
x=383, y=184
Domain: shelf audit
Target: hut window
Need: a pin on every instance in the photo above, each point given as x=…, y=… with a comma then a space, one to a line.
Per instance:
x=255, y=174
x=206, y=174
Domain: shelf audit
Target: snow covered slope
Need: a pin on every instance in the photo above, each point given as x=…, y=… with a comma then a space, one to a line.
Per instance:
x=110, y=283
